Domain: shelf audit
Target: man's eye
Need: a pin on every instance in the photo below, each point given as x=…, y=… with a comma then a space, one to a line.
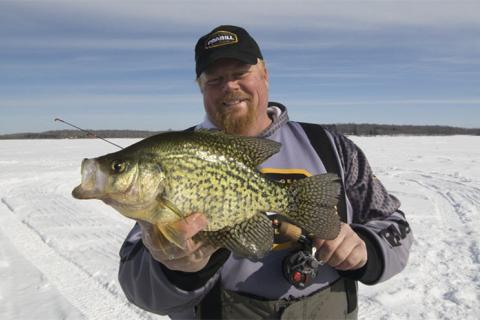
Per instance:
x=213, y=82
x=241, y=75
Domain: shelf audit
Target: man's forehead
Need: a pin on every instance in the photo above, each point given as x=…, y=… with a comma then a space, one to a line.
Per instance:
x=226, y=64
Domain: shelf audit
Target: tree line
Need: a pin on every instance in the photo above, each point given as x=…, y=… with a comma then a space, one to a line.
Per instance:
x=368, y=129
x=364, y=129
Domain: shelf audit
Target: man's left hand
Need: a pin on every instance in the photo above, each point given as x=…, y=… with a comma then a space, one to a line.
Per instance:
x=346, y=252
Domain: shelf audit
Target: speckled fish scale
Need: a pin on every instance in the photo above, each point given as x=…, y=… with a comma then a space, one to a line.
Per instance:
x=174, y=174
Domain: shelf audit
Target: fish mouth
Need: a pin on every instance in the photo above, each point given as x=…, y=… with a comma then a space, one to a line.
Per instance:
x=89, y=186
x=80, y=193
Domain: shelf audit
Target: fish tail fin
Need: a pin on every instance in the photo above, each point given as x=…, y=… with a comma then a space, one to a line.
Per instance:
x=312, y=204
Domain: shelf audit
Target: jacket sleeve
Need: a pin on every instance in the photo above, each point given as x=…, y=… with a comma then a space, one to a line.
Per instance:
x=375, y=216
x=152, y=287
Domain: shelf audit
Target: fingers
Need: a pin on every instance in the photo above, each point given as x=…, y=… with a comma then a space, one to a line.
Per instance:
x=185, y=229
x=354, y=261
x=191, y=225
x=346, y=252
x=192, y=262
x=188, y=255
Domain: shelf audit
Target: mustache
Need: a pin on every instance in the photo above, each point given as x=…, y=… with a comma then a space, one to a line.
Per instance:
x=235, y=96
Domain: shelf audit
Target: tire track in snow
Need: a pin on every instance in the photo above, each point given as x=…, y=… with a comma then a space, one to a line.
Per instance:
x=450, y=246
x=441, y=279
x=7, y=204
x=73, y=244
x=75, y=283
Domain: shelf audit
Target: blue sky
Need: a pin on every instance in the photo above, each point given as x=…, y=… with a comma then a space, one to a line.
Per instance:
x=129, y=64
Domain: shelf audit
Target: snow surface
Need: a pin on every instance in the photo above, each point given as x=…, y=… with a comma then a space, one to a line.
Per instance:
x=59, y=255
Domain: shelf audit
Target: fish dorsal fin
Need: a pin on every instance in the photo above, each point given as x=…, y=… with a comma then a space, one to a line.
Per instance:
x=251, y=150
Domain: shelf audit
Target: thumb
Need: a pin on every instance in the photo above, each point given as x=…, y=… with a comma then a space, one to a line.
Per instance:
x=191, y=225
x=318, y=243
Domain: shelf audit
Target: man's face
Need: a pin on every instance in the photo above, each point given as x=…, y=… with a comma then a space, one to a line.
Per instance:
x=235, y=96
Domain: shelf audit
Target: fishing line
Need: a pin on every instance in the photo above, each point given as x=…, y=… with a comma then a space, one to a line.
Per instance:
x=90, y=133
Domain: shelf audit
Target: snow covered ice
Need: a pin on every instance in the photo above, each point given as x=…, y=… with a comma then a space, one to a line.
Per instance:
x=59, y=257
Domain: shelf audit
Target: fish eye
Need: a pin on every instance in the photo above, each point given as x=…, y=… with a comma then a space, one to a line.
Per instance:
x=119, y=166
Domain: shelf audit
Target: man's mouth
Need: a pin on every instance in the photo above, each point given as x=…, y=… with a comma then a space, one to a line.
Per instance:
x=233, y=102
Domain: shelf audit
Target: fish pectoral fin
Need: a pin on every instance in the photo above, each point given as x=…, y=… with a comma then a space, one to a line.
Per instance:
x=167, y=204
x=173, y=235
x=251, y=239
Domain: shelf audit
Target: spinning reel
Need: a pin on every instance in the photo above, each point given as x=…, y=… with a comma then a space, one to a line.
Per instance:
x=300, y=266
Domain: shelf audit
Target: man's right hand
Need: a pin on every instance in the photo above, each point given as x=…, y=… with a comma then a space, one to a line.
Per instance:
x=192, y=257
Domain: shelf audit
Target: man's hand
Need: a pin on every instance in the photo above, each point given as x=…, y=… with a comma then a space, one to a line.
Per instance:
x=346, y=252
x=192, y=257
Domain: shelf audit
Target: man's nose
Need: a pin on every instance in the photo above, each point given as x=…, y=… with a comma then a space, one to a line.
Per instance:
x=231, y=84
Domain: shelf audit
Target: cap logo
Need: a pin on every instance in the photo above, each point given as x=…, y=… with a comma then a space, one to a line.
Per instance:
x=220, y=38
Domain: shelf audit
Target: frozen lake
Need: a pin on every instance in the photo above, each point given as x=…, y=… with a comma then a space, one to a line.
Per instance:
x=59, y=256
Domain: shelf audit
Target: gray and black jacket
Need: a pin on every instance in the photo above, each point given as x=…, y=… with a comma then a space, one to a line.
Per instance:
x=371, y=211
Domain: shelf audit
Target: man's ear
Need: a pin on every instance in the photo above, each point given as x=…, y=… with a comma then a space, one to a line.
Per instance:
x=266, y=77
x=199, y=83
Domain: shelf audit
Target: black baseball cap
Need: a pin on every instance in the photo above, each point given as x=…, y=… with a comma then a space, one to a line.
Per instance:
x=225, y=42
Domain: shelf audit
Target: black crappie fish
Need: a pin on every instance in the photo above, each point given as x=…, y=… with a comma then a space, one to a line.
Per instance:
x=168, y=176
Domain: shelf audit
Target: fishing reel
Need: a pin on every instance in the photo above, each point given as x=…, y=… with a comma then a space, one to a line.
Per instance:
x=300, y=266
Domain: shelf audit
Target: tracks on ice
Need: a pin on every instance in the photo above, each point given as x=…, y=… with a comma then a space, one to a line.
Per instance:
x=68, y=277
x=443, y=272
x=452, y=249
x=75, y=249
x=73, y=245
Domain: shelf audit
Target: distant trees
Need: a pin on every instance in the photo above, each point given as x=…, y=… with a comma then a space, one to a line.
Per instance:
x=76, y=134
x=370, y=129
x=363, y=129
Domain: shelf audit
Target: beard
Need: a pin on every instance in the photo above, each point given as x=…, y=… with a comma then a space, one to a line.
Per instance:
x=233, y=121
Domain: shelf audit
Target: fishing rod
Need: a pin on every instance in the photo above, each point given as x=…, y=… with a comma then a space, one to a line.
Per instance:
x=88, y=132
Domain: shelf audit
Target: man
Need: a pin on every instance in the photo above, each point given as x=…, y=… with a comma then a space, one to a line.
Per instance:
x=207, y=282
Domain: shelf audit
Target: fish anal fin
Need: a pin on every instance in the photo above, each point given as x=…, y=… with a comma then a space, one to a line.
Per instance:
x=251, y=239
x=173, y=235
